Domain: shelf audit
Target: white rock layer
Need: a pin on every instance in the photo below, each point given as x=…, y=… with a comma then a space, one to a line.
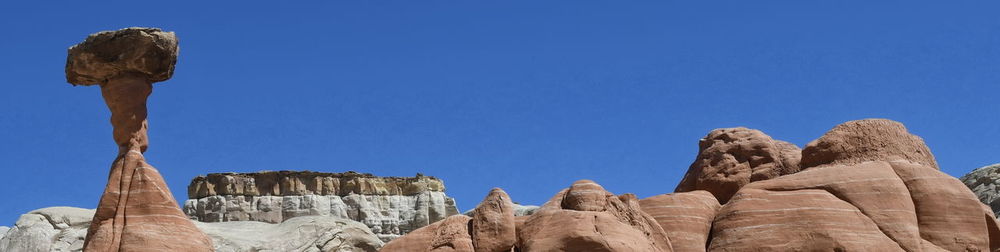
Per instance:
x=388, y=216
x=48, y=229
x=64, y=228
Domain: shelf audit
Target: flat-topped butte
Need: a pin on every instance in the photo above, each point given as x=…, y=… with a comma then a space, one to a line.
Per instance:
x=284, y=183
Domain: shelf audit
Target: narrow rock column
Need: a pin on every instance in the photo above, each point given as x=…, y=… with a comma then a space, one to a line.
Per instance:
x=137, y=212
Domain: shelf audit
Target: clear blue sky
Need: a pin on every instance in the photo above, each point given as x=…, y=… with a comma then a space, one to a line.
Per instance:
x=523, y=95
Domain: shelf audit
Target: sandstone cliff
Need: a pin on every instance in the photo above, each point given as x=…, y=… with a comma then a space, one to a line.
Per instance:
x=390, y=206
x=866, y=185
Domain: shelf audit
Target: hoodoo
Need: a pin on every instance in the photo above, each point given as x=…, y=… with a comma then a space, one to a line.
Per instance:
x=137, y=212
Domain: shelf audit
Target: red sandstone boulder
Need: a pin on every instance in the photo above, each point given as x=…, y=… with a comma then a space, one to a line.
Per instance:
x=586, y=217
x=686, y=217
x=869, y=186
x=493, y=226
x=492, y=229
x=732, y=157
x=450, y=234
x=867, y=140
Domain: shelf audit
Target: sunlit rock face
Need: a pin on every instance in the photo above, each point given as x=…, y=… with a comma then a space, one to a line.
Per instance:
x=389, y=206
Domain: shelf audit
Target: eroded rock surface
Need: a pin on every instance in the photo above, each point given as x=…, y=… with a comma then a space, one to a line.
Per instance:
x=985, y=183
x=730, y=158
x=48, y=229
x=390, y=206
x=867, y=186
x=585, y=217
x=308, y=233
x=64, y=228
x=867, y=140
x=493, y=223
x=686, y=217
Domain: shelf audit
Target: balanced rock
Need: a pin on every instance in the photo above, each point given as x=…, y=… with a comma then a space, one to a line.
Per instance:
x=64, y=229
x=137, y=211
x=730, y=158
x=390, y=206
x=585, y=217
x=686, y=217
x=985, y=183
x=867, y=140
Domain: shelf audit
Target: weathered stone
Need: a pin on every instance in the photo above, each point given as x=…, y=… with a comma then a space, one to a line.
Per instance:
x=619, y=225
x=396, y=206
x=686, y=217
x=493, y=228
x=310, y=233
x=859, y=141
x=105, y=55
x=48, y=229
x=287, y=183
x=585, y=195
x=730, y=158
x=137, y=210
x=519, y=210
x=64, y=229
x=450, y=234
x=985, y=183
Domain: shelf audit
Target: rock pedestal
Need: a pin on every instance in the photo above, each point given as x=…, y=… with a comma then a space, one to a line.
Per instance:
x=137, y=212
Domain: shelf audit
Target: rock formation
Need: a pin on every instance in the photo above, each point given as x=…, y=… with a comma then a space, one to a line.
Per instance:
x=858, y=194
x=48, y=229
x=985, y=183
x=585, y=217
x=493, y=223
x=869, y=186
x=307, y=233
x=493, y=229
x=733, y=157
x=137, y=211
x=686, y=217
x=390, y=206
x=867, y=140
x=64, y=229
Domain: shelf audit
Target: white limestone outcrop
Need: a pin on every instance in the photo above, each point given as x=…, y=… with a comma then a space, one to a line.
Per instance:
x=389, y=206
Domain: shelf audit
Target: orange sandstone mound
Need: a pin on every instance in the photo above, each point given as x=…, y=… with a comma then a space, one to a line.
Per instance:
x=866, y=185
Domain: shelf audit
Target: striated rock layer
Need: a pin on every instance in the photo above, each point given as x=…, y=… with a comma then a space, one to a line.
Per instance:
x=389, y=206
x=63, y=229
x=686, y=217
x=985, y=183
x=867, y=186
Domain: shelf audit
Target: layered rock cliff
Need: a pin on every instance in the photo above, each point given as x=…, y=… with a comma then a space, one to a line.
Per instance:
x=389, y=206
